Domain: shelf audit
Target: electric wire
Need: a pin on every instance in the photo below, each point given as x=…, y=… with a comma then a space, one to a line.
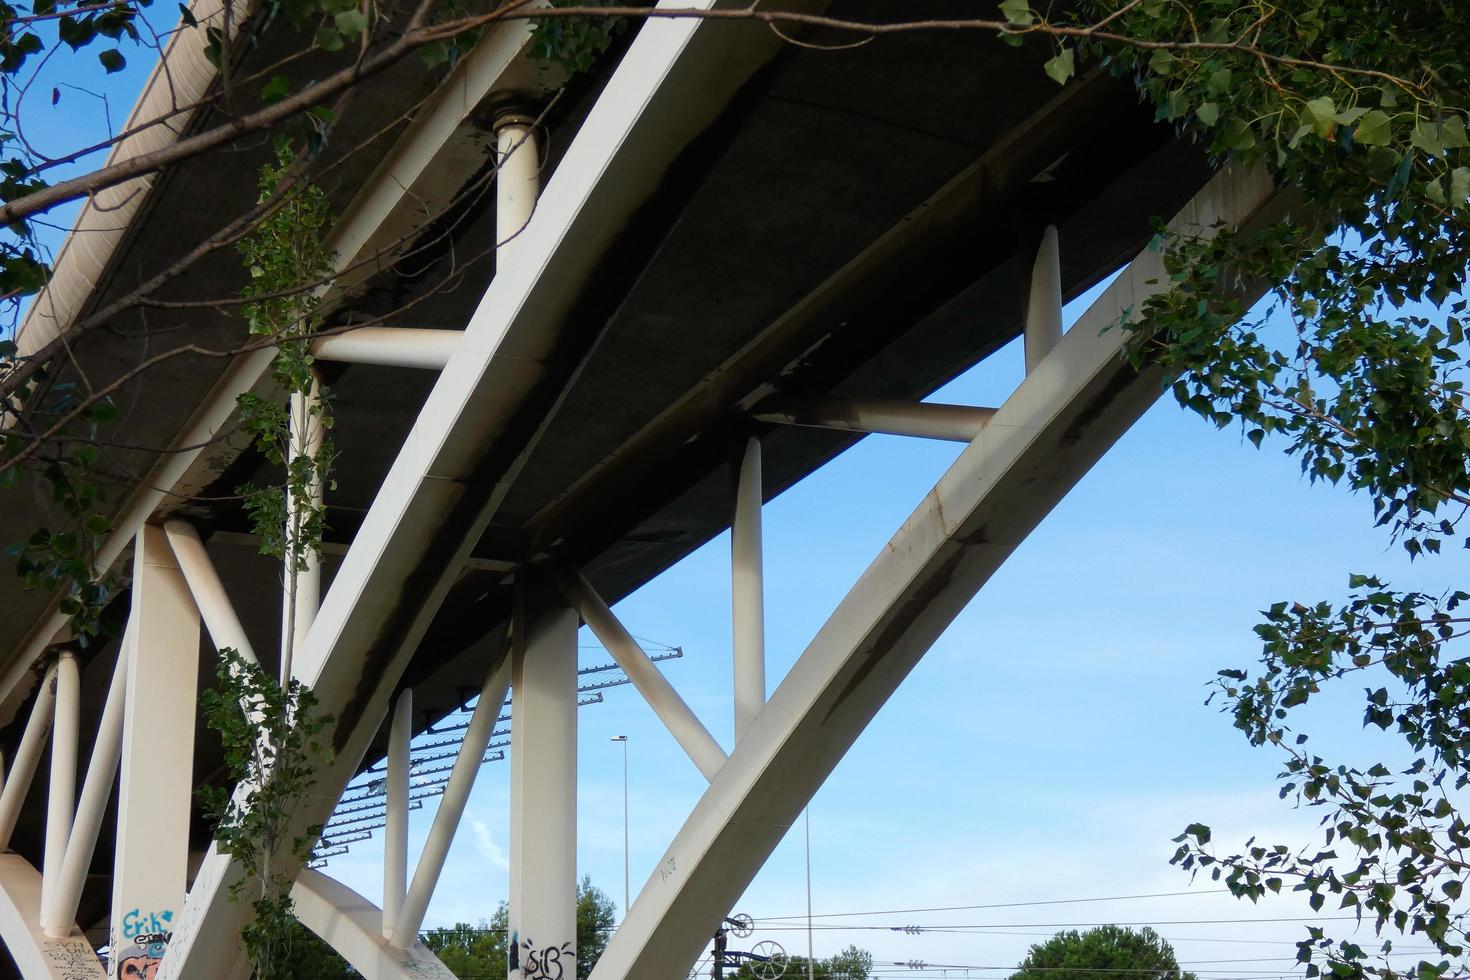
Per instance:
x=952, y=927
x=1002, y=905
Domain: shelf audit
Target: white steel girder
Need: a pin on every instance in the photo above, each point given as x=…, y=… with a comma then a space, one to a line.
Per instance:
x=353, y=926
x=676, y=78
x=1072, y=406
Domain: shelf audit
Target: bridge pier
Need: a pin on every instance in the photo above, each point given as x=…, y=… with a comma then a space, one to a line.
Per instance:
x=543, y=784
x=156, y=794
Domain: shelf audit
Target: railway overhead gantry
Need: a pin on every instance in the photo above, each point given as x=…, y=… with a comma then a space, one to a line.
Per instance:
x=713, y=261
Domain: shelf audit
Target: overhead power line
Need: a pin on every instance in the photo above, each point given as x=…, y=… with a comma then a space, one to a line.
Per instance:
x=951, y=927
x=1196, y=939
x=1000, y=905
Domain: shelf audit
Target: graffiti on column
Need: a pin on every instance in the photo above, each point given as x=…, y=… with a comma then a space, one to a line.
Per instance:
x=547, y=963
x=72, y=959
x=139, y=959
x=139, y=923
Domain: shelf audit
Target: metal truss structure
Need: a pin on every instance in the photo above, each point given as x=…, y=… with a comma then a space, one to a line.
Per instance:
x=495, y=394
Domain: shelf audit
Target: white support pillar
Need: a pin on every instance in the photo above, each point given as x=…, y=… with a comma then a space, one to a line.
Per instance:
x=59, y=914
x=302, y=585
x=889, y=416
x=407, y=347
x=27, y=755
x=451, y=806
x=150, y=872
x=395, y=834
x=747, y=590
x=518, y=181
x=1044, y=306
x=206, y=591
x=645, y=676
x=543, y=794
x=62, y=798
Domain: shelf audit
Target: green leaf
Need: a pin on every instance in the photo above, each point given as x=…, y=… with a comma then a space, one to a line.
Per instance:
x=1426, y=138
x=1401, y=175
x=434, y=55
x=275, y=90
x=1017, y=12
x=328, y=38
x=1373, y=128
x=1219, y=82
x=351, y=22
x=1162, y=62
x=112, y=59
x=1452, y=133
x=1321, y=115
x=1063, y=66
x=1238, y=136
x=1460, y=186
x=1209, y=113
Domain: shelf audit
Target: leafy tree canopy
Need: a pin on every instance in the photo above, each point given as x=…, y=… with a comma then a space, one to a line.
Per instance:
x=478, y=952
x=1104, y=953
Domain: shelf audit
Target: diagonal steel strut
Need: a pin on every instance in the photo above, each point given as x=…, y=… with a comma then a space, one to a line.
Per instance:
x=1073, y=405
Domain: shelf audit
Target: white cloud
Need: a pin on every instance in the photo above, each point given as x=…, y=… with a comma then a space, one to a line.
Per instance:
x=486, y=846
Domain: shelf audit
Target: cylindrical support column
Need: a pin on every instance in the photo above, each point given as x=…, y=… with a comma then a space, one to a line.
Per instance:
x=518, y=180
x=408, y=347
x=747, y=589
x=543, y=795
x=302, y=575
x=1044, y=307
x=888, y=416
x=208, y=592
x=645, y=676
x=451, y=805
x=395, y=833
x=61, y=801
x=27, y=756
x=59, y=915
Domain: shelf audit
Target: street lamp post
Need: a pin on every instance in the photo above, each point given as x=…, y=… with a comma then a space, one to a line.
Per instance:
x=810, y=958
x=624, y=740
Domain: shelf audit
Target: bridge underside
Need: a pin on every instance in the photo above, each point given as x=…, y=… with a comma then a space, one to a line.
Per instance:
x=858, y=224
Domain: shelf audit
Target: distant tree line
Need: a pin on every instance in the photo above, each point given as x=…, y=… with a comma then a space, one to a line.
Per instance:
x=478, y=952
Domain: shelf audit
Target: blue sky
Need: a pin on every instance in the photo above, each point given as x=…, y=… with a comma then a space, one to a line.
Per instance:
x=1046, y=749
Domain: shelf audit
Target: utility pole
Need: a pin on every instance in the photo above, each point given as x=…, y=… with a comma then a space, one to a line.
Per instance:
x=626, y=902
x=811, y=966
x=718, y=972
